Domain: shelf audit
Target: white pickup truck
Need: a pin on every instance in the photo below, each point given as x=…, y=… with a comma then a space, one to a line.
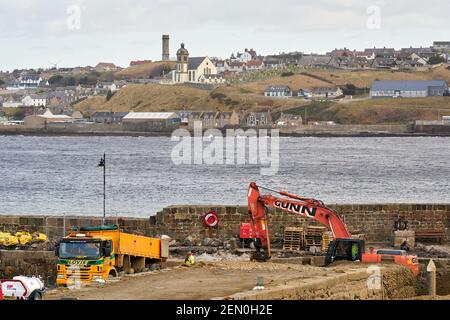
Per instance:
x=22, y=288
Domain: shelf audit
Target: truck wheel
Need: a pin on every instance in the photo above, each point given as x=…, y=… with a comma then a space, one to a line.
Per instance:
x=35, y=295
x=112, y=274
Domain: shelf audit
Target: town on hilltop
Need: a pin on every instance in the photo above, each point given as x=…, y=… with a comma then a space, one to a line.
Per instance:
x=292, y=91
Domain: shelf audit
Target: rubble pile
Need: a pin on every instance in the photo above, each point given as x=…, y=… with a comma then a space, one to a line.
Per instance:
x=432, y=251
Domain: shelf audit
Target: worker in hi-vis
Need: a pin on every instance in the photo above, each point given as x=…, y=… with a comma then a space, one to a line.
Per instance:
x=190, y=259
x=355, y=252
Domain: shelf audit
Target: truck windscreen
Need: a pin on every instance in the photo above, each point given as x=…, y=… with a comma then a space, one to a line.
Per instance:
x=79, y=250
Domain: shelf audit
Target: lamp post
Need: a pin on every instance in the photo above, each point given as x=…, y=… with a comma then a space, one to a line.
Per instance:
x=103, y=164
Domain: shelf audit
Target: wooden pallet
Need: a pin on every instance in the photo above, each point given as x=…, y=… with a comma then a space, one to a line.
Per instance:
x=294, y=239
x=327, y=237
x=313, y=236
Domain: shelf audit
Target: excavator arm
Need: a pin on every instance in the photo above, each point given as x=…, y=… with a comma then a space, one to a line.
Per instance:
x=291, y=203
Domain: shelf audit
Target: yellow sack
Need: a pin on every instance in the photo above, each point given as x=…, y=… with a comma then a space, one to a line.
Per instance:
x=37, y=236
x=3, y=237
x=24, y=237
x=11, y=241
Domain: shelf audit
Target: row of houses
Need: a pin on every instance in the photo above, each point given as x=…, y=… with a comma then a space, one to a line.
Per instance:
x=142, y=121
x=370, y=58
x=318, y=93
x=379, y=89
x=42, y=98
x=59, y=97
x=27, y=81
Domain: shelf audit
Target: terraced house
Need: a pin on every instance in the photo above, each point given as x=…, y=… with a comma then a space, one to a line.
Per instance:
x=213, y=119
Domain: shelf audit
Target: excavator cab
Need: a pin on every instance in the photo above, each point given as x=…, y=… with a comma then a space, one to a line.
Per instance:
x=345, y=249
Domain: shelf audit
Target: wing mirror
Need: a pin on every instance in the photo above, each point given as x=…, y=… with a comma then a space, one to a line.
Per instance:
x=107, y=249
x=107, y=252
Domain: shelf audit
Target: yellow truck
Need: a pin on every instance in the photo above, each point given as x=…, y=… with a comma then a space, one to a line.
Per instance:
x=96, y=254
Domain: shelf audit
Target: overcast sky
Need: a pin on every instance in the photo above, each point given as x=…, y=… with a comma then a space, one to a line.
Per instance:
x=40, y=33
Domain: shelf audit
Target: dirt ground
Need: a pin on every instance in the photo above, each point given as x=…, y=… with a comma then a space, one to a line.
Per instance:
x=207, y=280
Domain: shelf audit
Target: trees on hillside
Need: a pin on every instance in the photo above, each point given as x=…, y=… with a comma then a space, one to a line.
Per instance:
x=436, y=60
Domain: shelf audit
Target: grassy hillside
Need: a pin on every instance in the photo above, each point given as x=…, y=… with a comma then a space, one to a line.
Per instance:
x=377, y=111
x=364, y=78
x=249, y=96
x=155, y=97
x=147, y=70
x=312, y=78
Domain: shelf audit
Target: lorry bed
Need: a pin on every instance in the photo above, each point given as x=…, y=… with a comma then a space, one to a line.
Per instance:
x=135, y=245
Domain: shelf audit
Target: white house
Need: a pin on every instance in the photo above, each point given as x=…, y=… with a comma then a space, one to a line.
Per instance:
x=221, y=66
x=211, y=79
x=34, y=100
x=254, y=65
x=104, y=87
x=244, y=57
x=418, y=59
x=278, y=91
x=327, y=93
x=26, y=82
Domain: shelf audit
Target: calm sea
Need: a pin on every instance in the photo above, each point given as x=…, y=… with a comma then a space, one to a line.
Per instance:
x=55, y=175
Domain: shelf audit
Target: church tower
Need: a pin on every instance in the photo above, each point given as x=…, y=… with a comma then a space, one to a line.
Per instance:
x=181, y=74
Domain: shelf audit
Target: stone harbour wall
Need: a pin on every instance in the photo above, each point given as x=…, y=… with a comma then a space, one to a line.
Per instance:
x=375, y=221
x=28, y=263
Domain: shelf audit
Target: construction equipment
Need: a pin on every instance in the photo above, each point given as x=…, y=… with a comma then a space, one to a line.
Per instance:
x=343, y=247
x=22, y=288
x=96, y=254
x=246, y=234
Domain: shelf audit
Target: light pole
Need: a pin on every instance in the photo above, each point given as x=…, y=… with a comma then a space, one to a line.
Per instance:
x=103, y=164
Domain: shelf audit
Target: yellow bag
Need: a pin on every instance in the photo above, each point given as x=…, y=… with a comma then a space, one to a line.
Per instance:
x=37, y=236
x=11, y=241
x=3, y=237
x=23, y=237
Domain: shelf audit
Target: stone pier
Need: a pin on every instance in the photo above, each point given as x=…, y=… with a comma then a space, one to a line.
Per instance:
x=375, y=221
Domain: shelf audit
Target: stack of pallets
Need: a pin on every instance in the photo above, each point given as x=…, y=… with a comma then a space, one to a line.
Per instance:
x=313, y=237
x=327, y=237
x=294, y=239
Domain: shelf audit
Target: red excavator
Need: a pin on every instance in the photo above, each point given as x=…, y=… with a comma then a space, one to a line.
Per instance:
x=343, y=247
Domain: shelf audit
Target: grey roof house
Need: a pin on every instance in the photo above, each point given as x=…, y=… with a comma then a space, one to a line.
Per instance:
x=408, y=88
x=278, y=91
x=108, y=117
